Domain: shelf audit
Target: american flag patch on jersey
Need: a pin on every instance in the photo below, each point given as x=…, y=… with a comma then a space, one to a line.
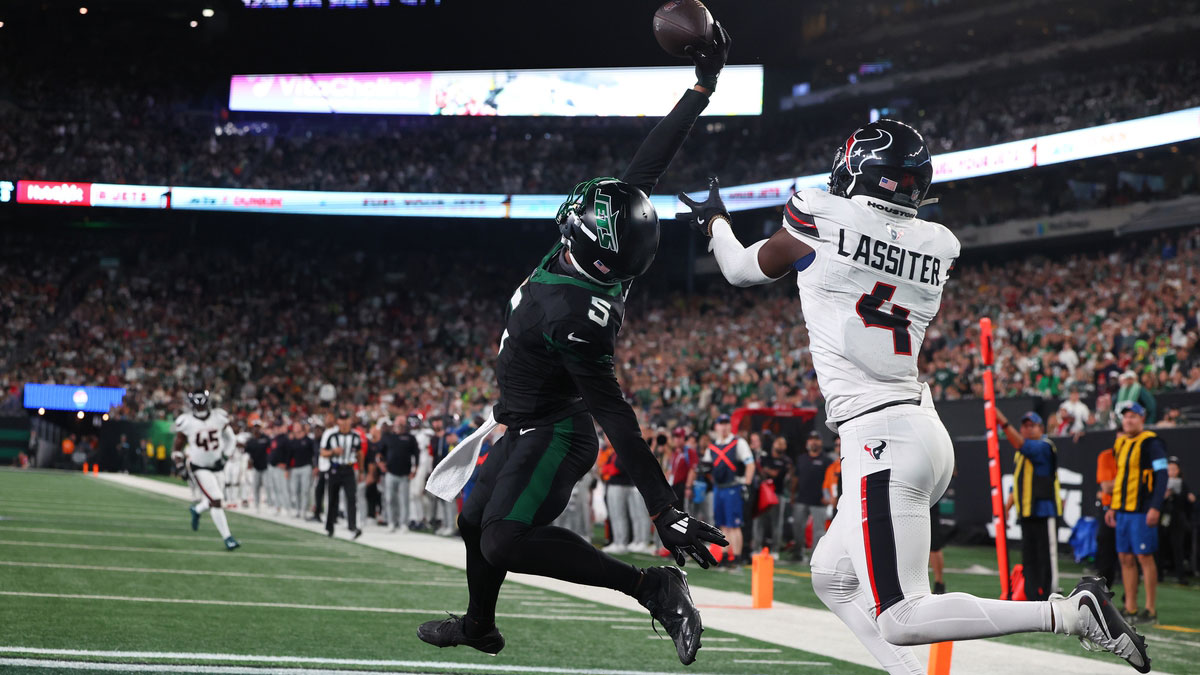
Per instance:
x=888, y=184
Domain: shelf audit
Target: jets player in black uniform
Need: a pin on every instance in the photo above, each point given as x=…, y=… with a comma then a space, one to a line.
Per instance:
x=555, y=369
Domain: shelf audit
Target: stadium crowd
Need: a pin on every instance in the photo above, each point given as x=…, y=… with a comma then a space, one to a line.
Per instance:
x=73, y=127
x=292, y=329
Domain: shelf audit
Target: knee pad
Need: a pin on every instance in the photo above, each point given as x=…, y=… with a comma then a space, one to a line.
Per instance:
x=501, y=543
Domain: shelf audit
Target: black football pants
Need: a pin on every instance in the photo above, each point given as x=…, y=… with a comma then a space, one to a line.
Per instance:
x=342, y=478
x=1035, y=557
x=523, y=486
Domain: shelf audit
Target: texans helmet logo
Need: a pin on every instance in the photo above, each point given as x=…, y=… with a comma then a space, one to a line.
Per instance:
x=876, y=451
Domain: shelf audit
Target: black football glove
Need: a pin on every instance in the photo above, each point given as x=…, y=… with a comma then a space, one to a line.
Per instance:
x=681, y=533
x=702, y=213
x=710, y=58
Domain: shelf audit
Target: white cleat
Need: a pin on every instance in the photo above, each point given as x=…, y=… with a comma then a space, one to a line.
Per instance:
x=1088, y=613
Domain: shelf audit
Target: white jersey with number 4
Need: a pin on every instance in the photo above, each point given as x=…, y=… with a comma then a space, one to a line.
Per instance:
x=869, y=291
x=204, y=436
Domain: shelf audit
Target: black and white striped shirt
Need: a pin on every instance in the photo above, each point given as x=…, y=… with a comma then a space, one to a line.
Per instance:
x=351, y=443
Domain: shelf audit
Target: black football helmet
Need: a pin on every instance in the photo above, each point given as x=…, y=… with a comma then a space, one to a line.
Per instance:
x=888, y=160
x=611, y=229
x=199, y=401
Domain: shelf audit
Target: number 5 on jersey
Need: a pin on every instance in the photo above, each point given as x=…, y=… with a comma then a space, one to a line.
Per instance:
x=600, y=311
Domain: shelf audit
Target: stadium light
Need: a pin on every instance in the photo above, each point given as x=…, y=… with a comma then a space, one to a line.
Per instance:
x=41, y=411
x=194, y=23
x=79, y=415
x=1, y=24
x=83, y=10
x=207, y=13
x=105, y=417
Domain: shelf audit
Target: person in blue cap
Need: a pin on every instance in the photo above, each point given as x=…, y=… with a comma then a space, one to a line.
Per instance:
x=1139, y=489
x=1038, y=498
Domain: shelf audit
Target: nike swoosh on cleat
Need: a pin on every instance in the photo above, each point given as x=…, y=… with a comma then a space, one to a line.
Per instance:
x=1088, y=602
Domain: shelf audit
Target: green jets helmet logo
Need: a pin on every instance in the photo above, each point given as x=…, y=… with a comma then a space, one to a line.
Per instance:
x=606, y=222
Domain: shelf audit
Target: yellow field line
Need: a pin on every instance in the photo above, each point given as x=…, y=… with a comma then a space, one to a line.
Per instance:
x=790, y=573
x=1180, y=629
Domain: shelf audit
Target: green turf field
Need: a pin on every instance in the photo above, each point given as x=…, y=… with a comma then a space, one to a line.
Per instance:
x=1174, y=644
x=91, y=571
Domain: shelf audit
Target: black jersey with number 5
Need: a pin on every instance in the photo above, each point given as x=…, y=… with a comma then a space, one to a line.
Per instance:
x=554, y=323
x=556, y=360
x=556, y=352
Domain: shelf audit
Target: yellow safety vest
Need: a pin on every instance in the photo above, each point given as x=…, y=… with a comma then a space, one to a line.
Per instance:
x=1133, y=482
x=1025, y=492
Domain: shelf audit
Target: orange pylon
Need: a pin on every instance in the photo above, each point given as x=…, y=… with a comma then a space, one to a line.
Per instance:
x=762, y=579
x=939, y=658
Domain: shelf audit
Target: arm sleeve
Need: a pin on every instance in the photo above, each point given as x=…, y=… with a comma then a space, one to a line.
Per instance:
x=659, y=148
x=1157, y=454
x=592, y=371
x=739, y=264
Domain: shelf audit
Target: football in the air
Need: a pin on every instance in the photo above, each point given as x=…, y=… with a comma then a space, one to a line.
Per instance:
x=679, y=24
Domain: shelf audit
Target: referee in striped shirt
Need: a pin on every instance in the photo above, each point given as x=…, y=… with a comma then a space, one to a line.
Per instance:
x=342, y=446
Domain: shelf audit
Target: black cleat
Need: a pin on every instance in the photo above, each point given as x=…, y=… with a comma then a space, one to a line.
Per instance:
x=1100, y=626
x=452, y=632
x=671, y=605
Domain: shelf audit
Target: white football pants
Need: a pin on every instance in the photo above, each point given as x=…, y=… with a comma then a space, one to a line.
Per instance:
x=871, y=567
x=211, y=486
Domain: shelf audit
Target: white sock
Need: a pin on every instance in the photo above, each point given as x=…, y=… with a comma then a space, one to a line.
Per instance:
x=200, y=507
x=218, y=516
x=1066, y=617
x=958, y=616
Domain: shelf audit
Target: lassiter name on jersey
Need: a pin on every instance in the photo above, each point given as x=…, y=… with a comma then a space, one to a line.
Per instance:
x=876, y=276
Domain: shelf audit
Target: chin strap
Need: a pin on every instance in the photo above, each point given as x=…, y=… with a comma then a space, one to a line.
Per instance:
x=579, y=268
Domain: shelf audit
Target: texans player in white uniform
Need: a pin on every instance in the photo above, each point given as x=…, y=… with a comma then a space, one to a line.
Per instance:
x=204, y=440
x=871, y=275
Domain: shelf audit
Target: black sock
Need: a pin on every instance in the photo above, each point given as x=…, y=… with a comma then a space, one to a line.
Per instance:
x=483, y=582
x=557, y=553
x=647, y=585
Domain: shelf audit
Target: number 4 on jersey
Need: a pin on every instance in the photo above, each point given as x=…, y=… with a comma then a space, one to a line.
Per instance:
x=868, y=308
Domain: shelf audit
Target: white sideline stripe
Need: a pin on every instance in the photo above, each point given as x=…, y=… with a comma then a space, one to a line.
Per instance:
x=707, y=639
x=175, y=551
x=423, y=666
x=144, y=535
x=633, y=628
x=89, y=514
x=783, y=663
x=288, y=605
x=214, y=573
x=744, y=650
x=574, y=605
x=166, y=668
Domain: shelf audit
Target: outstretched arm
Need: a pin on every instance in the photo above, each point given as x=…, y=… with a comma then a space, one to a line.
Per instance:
x=656, y=152
x=760, y=263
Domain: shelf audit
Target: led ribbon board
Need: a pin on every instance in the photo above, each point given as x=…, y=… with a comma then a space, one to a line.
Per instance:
x=1147, y=132
x=72, y=398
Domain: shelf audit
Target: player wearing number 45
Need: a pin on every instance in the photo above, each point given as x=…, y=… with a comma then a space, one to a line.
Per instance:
x=556, y=374
x=871, y=275
x=203, y=442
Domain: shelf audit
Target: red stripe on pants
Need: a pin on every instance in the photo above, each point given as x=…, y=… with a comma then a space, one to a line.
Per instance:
x=866, y=531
